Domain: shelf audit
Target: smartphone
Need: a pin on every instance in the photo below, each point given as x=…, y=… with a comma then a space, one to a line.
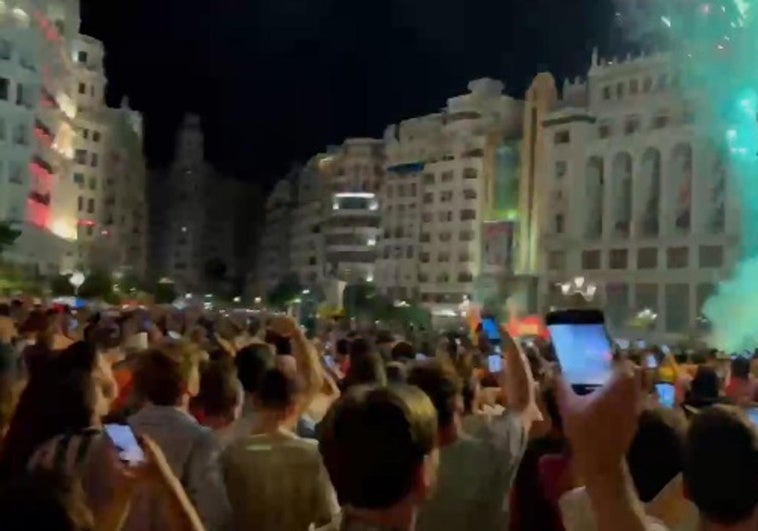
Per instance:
x=582, y=345
x=123, y=438
x=666, y=350
x=176, y=336
x=651, y=362
x=623, y=344
x=666, y=395
x=752, y=414
x=329, y=361
x=495, y=363
x=420, y=356
x=491, y=329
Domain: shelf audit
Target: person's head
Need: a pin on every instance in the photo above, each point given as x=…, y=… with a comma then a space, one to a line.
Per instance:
x=168, y=376
x=379, y=445
x=741, y=368
x=721, y=466
x=278, y=396
x=656, y=454
x=342, y=348
x=359, y=347
x=366, y=369
x=444, y=388
x=403, y=352
x=397, y=373
x=252, y=362
x=704, y=389
x=45, y=500
x=220, y=397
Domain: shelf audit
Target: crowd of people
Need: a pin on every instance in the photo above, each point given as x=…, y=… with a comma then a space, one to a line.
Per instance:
x=244, y=423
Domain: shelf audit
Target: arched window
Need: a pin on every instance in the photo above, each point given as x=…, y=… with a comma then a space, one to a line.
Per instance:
x=681, y=178
x=650, y=192
x=621, y=194
x=594, y=190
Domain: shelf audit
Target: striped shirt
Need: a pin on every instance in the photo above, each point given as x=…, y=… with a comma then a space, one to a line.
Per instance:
x=82, y=455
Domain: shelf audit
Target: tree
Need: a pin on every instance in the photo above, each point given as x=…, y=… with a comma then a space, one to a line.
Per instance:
x=97, y=285
x=8, y=236
x=359, y=299
x=287, y=290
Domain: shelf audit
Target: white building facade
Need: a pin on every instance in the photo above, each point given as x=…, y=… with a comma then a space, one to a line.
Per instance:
x=37, y=130
x=635, y=199
x=273, y=260
x=438, y=194
x=306, y=237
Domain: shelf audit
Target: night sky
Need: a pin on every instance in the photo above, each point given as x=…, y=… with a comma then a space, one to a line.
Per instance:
x=277, y=80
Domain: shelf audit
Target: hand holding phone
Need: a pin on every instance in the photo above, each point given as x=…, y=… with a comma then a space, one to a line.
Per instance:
x=491, y=329
x=651, y=362
x=666, y=395
x=582, y=346
x=127, y=446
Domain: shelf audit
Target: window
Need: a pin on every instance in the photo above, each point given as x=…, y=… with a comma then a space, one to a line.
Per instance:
x=423, y=277
x=424, y=257
x=81, y=57
x=413, y=189
x=24, y=96
x=559, y=224
x=677, y=257
x=81, y=156
x=91, y=206
x=556, y=261
x=620, y=90
x=604, y=131
x=677, y=299
x=90, y=230
x=16, y=172
x=465, y=277
x=4, y=88
x=94, y=160
x=647, y=258
x=446, y=196
x=445, y=237
x=464, y=257
x=443, y=257
x=82, y=88
x=92, y=90
x=96, y=136
x=591, y=260
x=470, y=173
x=92, y=183
x=647, y=85
x=428, y=198
x=428, y=178
x=663, y=82
x=21, y=134
x=2, y=129
x=6, y=49
x=85, y=134
x=447, y=177
x=468, y=214
x=427, y=217
x=466, y=236
x=634, y=86
x=425, y=237
x=469, y=194
x=409, y=252
x=711, y=256
x=562, y=137
x=632, y=125
x=560, y=169
x=618, y=259
x=606, y=93
x=660, y=121
x=79, y=179
x=80, y=203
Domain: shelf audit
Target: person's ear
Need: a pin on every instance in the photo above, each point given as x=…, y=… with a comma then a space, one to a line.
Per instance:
x=426, y=477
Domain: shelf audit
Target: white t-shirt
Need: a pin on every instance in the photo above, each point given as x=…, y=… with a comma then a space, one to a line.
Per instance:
x=577, y=515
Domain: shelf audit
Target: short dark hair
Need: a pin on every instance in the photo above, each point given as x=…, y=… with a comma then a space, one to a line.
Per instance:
x=366, y=369
x=252, y=361
x=359, y=347
x=342, y=347
x=278, y=390
x=403, y=351
x=656, y=455
x=442, y=385
x=396, y=426
x=162, y=375
x=397, y=373
x=741, y=368
x=721, y=465
x=219, y=389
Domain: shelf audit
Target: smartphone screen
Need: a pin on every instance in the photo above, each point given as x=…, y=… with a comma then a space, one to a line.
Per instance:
x=420, y=356
x=495, y=363
x=651, y=362
x=176, y=336
x=752, y=414
x=582, y=345
x=329, y=361
x=126, y=443
x=666, y=395
x=491, y=329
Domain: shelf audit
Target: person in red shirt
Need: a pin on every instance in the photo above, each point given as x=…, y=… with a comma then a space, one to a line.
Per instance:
x=742, y=388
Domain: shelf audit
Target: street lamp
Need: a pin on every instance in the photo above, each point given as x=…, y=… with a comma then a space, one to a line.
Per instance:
x=76, y=280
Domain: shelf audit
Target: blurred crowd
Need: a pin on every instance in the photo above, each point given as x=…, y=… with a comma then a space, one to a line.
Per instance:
x=245, y=423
